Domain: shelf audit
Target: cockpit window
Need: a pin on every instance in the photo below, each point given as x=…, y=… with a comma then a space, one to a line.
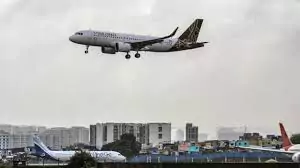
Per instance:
x=78, y=33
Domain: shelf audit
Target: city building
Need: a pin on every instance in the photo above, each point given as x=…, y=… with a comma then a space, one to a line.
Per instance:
x=159, y=133
x=191, y=133
x=4, y=140
x=272, y=141
x=19, y=136
x=93, y=135
x=252, y=138
x=20, y=140
x=14, y=129
x=55, y=138
x=79, y=135
x=150, y=133
x=60, y=137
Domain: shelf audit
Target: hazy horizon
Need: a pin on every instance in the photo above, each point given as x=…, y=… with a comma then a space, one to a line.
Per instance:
x=246, y=75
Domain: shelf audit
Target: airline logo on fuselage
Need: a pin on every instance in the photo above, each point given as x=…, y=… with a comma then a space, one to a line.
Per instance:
x=102, y=155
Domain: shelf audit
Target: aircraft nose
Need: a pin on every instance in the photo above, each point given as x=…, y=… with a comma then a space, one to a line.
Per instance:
x=121, y=158
x=72, y=38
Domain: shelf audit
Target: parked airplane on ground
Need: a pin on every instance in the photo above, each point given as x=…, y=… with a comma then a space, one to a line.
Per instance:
x=41, y=150
x=111, y=43
x=287, y=147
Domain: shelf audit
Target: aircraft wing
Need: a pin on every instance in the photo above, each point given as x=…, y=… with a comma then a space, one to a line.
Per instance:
x=140, y=44
x=267, y=149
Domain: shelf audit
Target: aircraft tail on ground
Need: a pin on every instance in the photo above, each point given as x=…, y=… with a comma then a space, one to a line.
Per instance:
x=286, y=140
x=38, y=143
x=41, y=149
x=192, y=32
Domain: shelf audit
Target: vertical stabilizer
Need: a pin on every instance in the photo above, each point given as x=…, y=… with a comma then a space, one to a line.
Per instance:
x=192, y=32
x=39, y=144
x=42, y=150
x=285, y=139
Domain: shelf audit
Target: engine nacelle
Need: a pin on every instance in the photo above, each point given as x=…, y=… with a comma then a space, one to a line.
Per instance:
x=123, y=47
x=296, y=157
x=108, y=50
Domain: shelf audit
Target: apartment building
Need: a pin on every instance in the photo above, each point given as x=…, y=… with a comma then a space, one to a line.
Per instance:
x=145, y=133
x=4, y=140
x=191, y=133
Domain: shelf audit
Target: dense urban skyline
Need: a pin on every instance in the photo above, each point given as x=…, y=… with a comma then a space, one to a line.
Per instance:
x=246, y=75
x=175, y=131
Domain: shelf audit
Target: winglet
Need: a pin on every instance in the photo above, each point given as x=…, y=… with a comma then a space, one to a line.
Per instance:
x=171, y=35
x=174, y=32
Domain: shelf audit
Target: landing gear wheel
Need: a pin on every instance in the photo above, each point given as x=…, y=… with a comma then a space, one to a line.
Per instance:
x=87, y=50
x=127, y=56
x=137, y=55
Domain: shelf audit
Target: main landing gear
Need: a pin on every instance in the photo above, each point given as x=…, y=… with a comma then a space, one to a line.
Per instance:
x=87, y=50
x=137, y=55
x=127, y=56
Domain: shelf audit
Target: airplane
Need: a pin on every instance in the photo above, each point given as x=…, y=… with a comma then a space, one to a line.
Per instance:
x=111, y=43
x=41, y=150
x=287, y=147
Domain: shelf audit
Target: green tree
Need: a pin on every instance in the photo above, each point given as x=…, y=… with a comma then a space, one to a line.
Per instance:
x=82, y=159
x=295, y=139
x=127, y=145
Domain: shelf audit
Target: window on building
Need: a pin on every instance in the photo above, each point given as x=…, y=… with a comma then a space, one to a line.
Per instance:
x=159, y=136
x=159, y=129
x=105, y=133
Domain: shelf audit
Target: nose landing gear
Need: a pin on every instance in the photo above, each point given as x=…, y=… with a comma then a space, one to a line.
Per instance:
x=87, y=50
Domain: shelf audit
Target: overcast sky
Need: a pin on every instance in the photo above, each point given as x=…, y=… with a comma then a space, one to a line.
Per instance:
x=247, y=75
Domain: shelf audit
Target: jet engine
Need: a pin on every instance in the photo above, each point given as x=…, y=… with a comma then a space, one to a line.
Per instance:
x=123, y=47
x=296, y=157
x=108, y=50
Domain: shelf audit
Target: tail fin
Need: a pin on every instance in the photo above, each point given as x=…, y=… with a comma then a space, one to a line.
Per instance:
x=286, y=140
x=191, y=33
x=42, y=150
x=39, y=145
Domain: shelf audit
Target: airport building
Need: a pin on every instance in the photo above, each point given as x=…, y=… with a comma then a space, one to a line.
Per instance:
x=191, y=133
x=145, y=133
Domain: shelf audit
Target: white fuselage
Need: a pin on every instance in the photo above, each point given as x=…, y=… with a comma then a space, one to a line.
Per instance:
x=98, y=155
x=41, y=150
x=295, y=147
x=108, y=39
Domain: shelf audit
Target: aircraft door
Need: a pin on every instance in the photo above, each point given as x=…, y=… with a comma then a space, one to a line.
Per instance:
x=94, y=38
